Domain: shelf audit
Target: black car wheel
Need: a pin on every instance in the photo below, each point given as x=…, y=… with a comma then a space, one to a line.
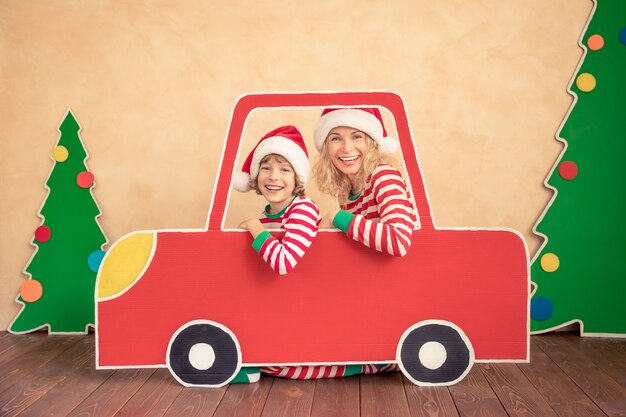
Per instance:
x=204, y=353
x=435, y=352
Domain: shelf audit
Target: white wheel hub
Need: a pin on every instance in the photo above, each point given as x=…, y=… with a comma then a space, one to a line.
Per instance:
x=432, y=355
x=201, y=356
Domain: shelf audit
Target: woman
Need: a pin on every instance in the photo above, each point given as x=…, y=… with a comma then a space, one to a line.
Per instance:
x=354, y=166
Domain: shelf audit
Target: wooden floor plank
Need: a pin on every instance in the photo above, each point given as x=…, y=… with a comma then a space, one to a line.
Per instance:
x=473, y=396
x=608, y=354
x=429, y=401
x=19, y=398
x=154, y=397
x=6, y=341
x=618, y=343
x=31, y=358
x=564, y=396
x=383, y=395
x=111, y=395
x=516, y=393
x=17, y=345
x=600, y=387
x=336, y=397
x=245, y=400
x=81, y=379
x=196, y=402
x=289, y=398
x=33, y=386
x=568, y=376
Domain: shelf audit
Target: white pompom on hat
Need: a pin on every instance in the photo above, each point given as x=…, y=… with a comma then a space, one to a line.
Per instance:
x=366, y=119
x=285, y=141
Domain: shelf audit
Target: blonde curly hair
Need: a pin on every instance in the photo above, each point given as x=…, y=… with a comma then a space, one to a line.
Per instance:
x=335, y=183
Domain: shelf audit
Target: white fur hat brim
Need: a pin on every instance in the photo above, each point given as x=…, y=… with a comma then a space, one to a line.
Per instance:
x=356, y=119
x=274, y=145
x=286, y=148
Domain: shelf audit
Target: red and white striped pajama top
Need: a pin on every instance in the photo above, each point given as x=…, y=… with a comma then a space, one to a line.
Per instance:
x=300, y=221
x=382, y=217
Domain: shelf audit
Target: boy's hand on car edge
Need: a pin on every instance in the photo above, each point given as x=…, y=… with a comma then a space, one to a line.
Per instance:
x=254, y=226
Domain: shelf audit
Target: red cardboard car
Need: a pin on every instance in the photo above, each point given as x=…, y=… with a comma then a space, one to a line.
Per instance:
x=202, y=304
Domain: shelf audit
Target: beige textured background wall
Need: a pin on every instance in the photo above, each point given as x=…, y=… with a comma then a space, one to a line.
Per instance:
x=153, y=83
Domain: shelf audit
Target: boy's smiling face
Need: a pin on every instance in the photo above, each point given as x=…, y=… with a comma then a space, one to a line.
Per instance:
x=276, y=182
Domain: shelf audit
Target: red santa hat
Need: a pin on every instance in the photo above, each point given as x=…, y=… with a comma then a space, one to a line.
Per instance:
x=285, y=141
x=367, y=119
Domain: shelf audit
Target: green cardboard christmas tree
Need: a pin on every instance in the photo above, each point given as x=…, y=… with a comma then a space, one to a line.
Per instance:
x=580, y=272
x=59, y=294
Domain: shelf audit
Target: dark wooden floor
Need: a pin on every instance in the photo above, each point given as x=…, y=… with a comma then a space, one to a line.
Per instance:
x=44, y=376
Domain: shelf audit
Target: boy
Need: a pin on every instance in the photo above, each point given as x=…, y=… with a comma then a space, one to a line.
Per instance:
x=278, y=168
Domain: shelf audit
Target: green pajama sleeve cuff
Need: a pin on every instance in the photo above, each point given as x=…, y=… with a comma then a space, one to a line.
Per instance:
x=258, y=242
x=342, y=220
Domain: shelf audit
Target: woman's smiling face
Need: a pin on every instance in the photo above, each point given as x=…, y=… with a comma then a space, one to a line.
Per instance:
x=346, y=148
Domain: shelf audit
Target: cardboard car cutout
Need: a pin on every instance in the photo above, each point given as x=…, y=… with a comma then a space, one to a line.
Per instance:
x=200, y=303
